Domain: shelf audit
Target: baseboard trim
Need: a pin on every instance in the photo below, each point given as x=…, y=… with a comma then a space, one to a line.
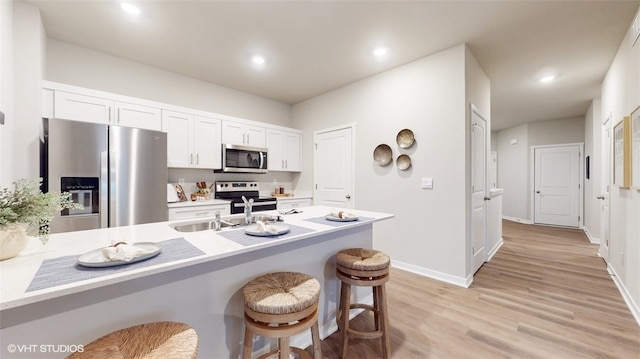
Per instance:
x=515, y=219
x=591, y=238
x=443, y=277
x=633, y=307
x=494, y=250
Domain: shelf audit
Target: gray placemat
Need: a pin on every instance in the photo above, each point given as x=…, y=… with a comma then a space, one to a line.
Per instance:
x=64, y=270
x=322, y=220
x=244, y=239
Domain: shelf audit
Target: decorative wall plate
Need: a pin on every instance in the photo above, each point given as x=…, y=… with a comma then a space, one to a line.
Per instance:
x=382, y=154
x=405, y=138
x=403, y=162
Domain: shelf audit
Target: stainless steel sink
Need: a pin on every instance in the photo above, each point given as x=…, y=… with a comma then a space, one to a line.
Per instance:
x=224, y=223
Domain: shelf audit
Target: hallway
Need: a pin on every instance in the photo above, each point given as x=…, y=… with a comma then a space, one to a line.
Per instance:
x=545, y=294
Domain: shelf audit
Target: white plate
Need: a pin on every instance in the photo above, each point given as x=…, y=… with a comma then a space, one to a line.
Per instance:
x=96, y=259
x=253, y=230
x=337, y=219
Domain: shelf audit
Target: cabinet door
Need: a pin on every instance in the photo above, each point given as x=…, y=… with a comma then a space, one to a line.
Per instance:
x=179, y=128
x=275, y=145
x=131, y=115
x=77, y=107
x=208, y=150
x=255, y=136
x=293, y=153
x=233, y=133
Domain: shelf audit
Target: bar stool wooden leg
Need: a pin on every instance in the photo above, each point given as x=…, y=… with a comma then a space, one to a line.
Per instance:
x=315, y=340
x=248, y=344
x=284, y=348
x=386, y=340
x=344, y=309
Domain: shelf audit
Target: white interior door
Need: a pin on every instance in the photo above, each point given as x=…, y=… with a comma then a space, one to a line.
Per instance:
x=557, y=185
x=333, y=168
x=479, y=188
x=605, y=182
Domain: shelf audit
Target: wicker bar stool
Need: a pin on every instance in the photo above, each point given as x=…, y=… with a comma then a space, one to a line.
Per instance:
x=280, y=305
x=369, y=268
x=160, y=340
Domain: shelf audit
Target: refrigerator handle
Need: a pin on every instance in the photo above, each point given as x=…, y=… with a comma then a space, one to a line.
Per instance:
x=104, y=190
x=113, y=190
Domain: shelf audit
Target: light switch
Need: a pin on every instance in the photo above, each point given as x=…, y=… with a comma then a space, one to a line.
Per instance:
x=427, y=183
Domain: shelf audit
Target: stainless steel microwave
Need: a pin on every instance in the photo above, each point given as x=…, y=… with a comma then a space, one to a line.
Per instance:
x=243, y=159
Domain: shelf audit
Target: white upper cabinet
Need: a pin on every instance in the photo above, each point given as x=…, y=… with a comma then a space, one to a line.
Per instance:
x=237, y=133
x=63, y=101
x=207, y=142
x=132, y=115
x=193, y=141
x=285, y=150
x=73, y=106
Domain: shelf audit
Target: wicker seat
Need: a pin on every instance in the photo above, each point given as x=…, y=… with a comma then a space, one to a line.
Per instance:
x=159, y=340
x=369, y=268
x=280, y=305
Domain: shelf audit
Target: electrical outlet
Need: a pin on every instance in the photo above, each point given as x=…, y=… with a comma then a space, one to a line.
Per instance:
x=181, y=181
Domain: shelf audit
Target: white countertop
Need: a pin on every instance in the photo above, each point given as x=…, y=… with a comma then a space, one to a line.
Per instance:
x=17, y=273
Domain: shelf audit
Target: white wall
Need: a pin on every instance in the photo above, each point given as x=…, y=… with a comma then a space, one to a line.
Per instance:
x=79, y=66
x=620, y=96
x=25, y=127
x=428, y=96
x=6, y=89
x=513, y=166
x=514, y=160
x=592, y=146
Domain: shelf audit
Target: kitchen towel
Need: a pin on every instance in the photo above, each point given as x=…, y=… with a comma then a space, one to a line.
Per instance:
x=323, y=220
x=244, y=239
x=64, y=270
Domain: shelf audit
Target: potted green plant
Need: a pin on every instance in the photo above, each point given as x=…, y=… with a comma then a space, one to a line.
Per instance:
x=24, y=211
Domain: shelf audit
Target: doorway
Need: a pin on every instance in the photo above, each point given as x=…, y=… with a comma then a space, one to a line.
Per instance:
x=557, y=185
x=333, y=171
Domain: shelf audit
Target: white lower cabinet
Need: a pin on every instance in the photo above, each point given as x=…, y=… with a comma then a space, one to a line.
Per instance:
x=294, y=203
x=196, y=212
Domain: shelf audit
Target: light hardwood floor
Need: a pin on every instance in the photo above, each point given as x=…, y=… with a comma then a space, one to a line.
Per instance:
x=545, y=294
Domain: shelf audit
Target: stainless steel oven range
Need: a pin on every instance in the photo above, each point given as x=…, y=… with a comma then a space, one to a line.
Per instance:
x=234, y=191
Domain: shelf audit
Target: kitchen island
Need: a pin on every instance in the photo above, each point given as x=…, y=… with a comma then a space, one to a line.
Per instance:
x=47, y=308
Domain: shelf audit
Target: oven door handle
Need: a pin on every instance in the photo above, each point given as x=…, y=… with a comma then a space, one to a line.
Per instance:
x=265, y=203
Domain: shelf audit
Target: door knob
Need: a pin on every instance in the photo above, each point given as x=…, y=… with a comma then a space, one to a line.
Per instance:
x=347, y=196
x=538, y=192
x=600, y=197
x=487, y=198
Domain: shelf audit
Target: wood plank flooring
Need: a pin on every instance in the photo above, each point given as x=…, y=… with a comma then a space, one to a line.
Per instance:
x=545, y=294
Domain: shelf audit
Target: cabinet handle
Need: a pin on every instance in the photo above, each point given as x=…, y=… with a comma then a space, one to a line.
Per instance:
x=247, y=138
x=286, y=164
x=191, y=159
x=197, y=158
x=118, y=114
x=109, y=114
x=282, y=165
x=243, y=138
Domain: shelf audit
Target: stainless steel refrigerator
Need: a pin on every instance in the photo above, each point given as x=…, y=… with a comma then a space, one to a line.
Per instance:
x=118, y=173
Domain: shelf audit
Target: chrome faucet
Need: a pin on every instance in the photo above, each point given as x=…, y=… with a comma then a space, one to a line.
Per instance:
x=217, y=222
x=247, y=211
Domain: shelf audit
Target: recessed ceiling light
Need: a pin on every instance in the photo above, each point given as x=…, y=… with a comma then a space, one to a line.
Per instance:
x=548, y=78
x=258, y=59
x=130, y=8
x=380, y=51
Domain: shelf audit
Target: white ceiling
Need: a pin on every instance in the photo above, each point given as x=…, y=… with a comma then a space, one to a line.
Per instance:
x=317, y=46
